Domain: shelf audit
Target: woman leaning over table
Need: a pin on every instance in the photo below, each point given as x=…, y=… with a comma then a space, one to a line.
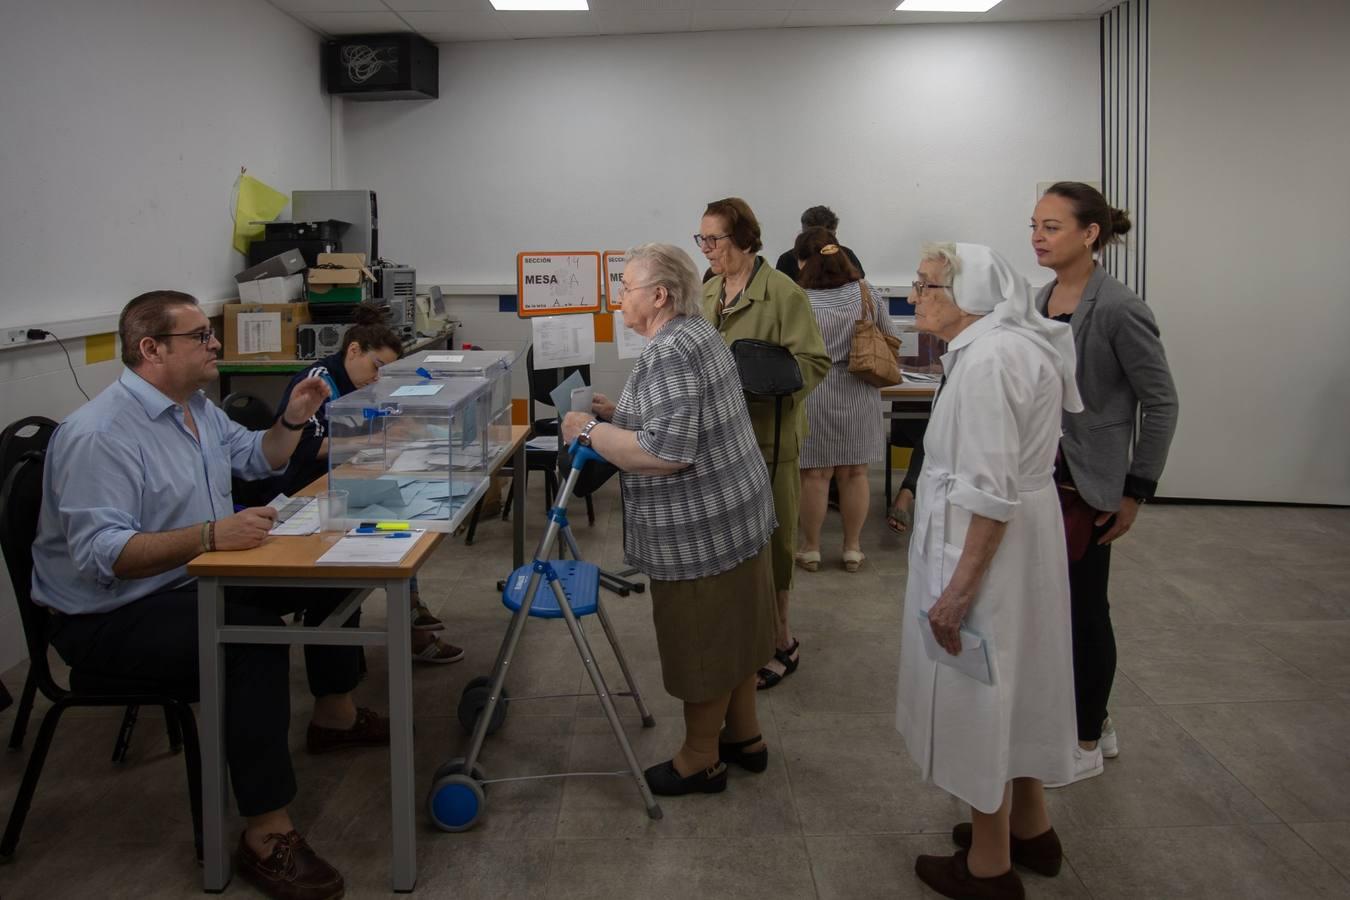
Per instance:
x=698, y=514
x=1105, y=468
x=987, y=559
x=748, y=298
x=844, y=415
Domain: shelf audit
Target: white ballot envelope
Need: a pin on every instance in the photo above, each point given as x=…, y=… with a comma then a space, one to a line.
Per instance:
x=581, y=399
x=975, y=659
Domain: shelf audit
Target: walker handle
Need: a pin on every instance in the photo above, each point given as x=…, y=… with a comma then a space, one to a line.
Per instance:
x=582, y=455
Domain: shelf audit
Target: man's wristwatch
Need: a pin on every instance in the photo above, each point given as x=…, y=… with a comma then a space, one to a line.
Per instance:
x=585, y=437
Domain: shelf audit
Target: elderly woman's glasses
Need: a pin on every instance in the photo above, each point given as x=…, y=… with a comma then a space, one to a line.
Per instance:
x=709, y=241
x=625, y=287
x=922, y=286
x=203, y=337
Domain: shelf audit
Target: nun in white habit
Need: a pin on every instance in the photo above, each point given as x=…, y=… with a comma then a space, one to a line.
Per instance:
x=988, y=556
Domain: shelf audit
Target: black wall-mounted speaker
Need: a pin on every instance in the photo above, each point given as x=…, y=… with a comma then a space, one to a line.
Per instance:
x=382, y=67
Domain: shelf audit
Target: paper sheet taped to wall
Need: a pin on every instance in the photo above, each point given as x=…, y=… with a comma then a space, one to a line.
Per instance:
x=563, y=341
x=259, y=333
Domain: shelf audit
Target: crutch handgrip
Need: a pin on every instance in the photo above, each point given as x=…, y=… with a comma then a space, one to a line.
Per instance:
x=582, y=455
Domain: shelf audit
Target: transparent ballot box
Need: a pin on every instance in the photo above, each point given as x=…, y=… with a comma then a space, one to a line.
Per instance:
x=494, y=365
x=410, y=450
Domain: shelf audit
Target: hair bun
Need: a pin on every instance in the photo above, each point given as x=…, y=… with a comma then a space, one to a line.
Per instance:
x=368, y=314
x=1120, y=221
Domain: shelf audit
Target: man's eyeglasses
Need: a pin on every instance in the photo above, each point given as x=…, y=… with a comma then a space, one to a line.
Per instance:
x=708, y=241
x=203, y=337
x=922, y=286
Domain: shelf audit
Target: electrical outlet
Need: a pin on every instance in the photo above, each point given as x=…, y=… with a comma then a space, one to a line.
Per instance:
x=16, y=335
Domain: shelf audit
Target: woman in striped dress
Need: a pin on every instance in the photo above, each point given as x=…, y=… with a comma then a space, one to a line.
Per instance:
x=844, y=414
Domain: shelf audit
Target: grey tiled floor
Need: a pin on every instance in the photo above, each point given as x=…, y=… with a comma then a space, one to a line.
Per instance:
x=1232, y=704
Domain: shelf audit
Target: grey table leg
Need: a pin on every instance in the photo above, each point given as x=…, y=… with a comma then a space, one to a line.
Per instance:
x=518, y=513
x=215, y=780
x=403, y=862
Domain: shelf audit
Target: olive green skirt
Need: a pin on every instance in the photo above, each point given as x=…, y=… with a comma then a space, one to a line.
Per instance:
x=713, y=633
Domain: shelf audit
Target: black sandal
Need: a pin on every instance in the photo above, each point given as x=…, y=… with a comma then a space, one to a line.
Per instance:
x=666, y=781
x=750, y=760
x=769, y=677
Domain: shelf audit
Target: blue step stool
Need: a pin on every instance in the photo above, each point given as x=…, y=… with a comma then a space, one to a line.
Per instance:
x=580, y=581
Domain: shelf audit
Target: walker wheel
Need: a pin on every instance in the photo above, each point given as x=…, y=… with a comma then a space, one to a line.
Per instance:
x=455, y=803
x=456, y=767
x=474, y=700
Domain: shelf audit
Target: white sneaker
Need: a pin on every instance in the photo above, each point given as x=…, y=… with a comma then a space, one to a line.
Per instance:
x=1109, y=744
x=1086, y=764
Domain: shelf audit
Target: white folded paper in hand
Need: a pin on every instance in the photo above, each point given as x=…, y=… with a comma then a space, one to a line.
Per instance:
x=975, y=659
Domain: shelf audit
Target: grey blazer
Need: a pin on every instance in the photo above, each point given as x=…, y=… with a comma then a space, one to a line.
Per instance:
x=1123, y=377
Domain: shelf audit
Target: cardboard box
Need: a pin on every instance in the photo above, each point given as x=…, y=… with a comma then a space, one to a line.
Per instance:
x=349, y=282
x=262, y=330
x=291, y=262
x=273, y=290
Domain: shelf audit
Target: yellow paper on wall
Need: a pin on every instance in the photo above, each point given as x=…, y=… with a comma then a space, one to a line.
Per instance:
x=257, y=203
x=99, y=348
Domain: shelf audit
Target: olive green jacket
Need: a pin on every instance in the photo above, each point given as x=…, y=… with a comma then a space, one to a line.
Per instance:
x=775, y=309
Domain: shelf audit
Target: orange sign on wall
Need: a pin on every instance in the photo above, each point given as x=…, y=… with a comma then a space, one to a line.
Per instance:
x=555, y=283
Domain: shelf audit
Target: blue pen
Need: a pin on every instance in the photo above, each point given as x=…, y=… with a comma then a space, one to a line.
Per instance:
x=399, y=534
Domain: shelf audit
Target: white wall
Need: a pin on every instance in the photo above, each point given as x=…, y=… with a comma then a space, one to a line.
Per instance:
x=914, y=133
x=1248, y=231
x=124, y=126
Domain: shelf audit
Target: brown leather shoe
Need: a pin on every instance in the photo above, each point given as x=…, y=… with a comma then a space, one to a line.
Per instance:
x=370, y=730
x=1041, y=854
x=949, y=876
x=292, y=872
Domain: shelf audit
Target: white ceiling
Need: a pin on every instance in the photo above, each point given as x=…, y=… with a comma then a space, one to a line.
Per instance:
x=443, y=21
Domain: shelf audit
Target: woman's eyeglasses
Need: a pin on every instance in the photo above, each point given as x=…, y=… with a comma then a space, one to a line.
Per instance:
x=923, y=286
x=708, y=241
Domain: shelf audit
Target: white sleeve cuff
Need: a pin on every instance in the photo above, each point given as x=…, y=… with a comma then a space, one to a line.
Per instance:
x=981, y=503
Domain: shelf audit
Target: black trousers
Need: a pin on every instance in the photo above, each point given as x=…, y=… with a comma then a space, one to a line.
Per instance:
x=1094, y=641
x=909, y=433
x=155, y=638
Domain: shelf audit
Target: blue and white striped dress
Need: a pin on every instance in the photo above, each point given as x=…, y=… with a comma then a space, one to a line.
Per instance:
x=843, y=413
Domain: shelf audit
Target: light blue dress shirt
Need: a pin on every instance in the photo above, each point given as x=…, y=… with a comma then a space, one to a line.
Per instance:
x=126, y=463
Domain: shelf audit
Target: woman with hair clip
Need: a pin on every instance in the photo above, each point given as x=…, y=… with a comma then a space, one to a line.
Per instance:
x=844, y=415
x=1112, y=454
x=368, y=345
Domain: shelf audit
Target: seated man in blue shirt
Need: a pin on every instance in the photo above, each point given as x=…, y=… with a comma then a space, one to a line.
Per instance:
x=137, y=483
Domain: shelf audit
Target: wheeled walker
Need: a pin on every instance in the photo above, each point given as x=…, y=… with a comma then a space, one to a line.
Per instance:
x=456, y=800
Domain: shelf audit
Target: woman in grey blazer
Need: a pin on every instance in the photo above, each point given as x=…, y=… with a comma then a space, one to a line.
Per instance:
x=1112, y=453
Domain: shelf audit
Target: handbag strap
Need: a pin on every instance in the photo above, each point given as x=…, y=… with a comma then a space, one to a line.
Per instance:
x=866, y=312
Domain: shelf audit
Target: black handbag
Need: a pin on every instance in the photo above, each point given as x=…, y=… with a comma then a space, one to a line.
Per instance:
x=768, y=371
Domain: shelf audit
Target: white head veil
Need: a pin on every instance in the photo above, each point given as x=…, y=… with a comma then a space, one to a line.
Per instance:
x=988, y=285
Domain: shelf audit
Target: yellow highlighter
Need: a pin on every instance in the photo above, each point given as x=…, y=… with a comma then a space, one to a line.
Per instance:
x=392, y=526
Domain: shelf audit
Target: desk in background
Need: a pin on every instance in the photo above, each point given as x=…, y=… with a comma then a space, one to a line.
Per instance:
x=908, y=401
x=289, y=562
x=285, y=368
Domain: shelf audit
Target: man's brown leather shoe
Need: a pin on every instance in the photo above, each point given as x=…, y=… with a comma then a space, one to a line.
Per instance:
x=371, y=730
x=1041, y=854
x=293, y=871
x=950, y=877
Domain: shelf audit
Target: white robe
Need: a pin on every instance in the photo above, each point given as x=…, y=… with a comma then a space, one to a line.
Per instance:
x=990, y=450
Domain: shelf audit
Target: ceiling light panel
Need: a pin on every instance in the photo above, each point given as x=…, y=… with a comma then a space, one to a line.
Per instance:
x=958, y=6
x=540, y=5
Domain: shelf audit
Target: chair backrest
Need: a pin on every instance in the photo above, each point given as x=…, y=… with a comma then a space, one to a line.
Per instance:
x=20, y=504
x=542, y=381
x=252, y=412
x=23, y=436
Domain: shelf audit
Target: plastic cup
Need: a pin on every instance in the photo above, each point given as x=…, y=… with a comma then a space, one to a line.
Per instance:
x=333, y=511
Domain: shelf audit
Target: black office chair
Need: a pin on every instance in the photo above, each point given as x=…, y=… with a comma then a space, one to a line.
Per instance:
x=31, y=433
x=252, y=412
x=20, y=503
x=541, y=382
x=19, y=438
